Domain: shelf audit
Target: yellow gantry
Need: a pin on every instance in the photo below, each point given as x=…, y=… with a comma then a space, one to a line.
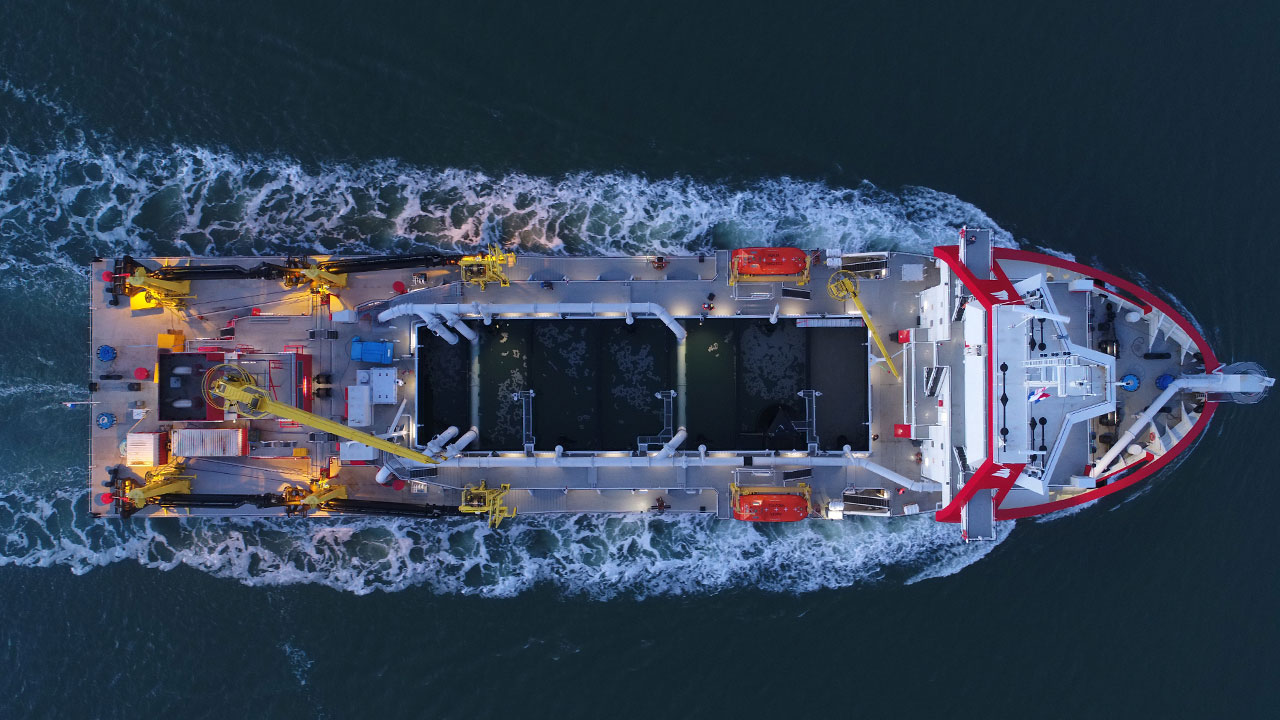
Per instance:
x=486, y=500
x=321, y=280
x=842, y=286
x=148, y=292
x=487, y=267
x=165, y=480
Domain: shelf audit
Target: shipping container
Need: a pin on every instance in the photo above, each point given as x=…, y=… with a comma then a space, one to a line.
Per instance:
x=145, y=449
x=199, y=442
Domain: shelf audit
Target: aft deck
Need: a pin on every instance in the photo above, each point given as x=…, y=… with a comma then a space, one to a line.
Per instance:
x=736, y=377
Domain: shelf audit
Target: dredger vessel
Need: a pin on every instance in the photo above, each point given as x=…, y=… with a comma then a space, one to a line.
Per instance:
x=766, y=384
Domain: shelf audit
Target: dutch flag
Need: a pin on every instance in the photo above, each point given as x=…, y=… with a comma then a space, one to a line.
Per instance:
x=1036, y=396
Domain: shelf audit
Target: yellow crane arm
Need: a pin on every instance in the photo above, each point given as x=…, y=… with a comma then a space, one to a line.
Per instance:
x=170, y=486
x=866, y=317
x=842, y=286
x=250, y=400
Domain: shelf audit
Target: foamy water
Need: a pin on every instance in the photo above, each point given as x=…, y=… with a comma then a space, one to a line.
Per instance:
x=60, y=208
x=598, y=556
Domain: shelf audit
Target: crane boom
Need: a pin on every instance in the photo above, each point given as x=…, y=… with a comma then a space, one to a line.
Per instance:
x=843, y=286
x=243, y=396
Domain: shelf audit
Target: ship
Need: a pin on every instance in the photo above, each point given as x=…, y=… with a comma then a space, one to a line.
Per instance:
x=977, y=384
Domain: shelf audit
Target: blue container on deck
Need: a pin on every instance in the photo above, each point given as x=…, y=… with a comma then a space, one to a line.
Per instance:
x=372, y=351
x=106, y=353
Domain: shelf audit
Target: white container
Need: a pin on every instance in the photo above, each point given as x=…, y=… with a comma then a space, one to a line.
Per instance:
x=145, y=449
x=211, y=442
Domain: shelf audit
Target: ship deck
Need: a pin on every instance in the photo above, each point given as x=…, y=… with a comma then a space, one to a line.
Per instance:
x=735, y=375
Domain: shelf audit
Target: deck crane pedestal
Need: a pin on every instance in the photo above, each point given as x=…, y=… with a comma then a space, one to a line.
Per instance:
x=170, y=479
x=843, y=285
x=147, y=292
x=233, y=389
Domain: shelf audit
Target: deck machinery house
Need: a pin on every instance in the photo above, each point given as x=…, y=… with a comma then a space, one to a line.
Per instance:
x=760, y=384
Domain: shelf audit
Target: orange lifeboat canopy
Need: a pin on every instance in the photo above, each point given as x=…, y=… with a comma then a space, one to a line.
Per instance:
x=765, y=507
x=770, y=261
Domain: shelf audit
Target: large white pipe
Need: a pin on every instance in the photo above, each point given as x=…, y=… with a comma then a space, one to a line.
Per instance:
x=437, y=443
x=486, y=312
x=1036, y=313
x=846, y=460
x=461, y=443
x=384, y=475
x=1209, y=383
x=434, y=325
x=669, y=448
x=456, y=323
x=893, y=477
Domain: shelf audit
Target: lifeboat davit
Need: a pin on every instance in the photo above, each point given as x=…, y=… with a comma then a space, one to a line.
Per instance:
x=767, y=507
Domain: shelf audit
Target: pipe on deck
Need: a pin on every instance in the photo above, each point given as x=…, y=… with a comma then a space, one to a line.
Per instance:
x=435, y=326
x=456, y=323
x=437, y=443
x=487, y=311
x=669, y=448
x=461, y=443
x=1211, y=383
x=660, y=460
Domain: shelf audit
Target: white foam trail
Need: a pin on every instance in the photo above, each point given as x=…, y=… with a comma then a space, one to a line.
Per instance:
x=78, y=201
x=35, y=389
x=598, y=556
x=951, y=559
x=59, y=208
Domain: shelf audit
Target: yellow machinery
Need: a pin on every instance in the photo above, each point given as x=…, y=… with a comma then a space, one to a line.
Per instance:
x=232, y=388
x=842, y=286
x=487, y=500
x=316, y=494
x=487, y=267
x=322, y=492
x=322, y=281
x=168, y=479
x=146, y=292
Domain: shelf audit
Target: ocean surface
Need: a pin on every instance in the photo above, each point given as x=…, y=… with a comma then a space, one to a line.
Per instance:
x=1140, y=137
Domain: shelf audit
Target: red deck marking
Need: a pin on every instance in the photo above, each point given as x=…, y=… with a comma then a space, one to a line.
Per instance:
x=990, y=476
x=950, y=255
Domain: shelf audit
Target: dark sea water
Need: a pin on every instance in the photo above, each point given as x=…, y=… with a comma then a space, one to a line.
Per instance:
x=1141, y=137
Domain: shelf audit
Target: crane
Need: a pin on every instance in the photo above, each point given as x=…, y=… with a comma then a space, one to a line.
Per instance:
x=169, y=479
x=232, y=388
x=843, y=285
